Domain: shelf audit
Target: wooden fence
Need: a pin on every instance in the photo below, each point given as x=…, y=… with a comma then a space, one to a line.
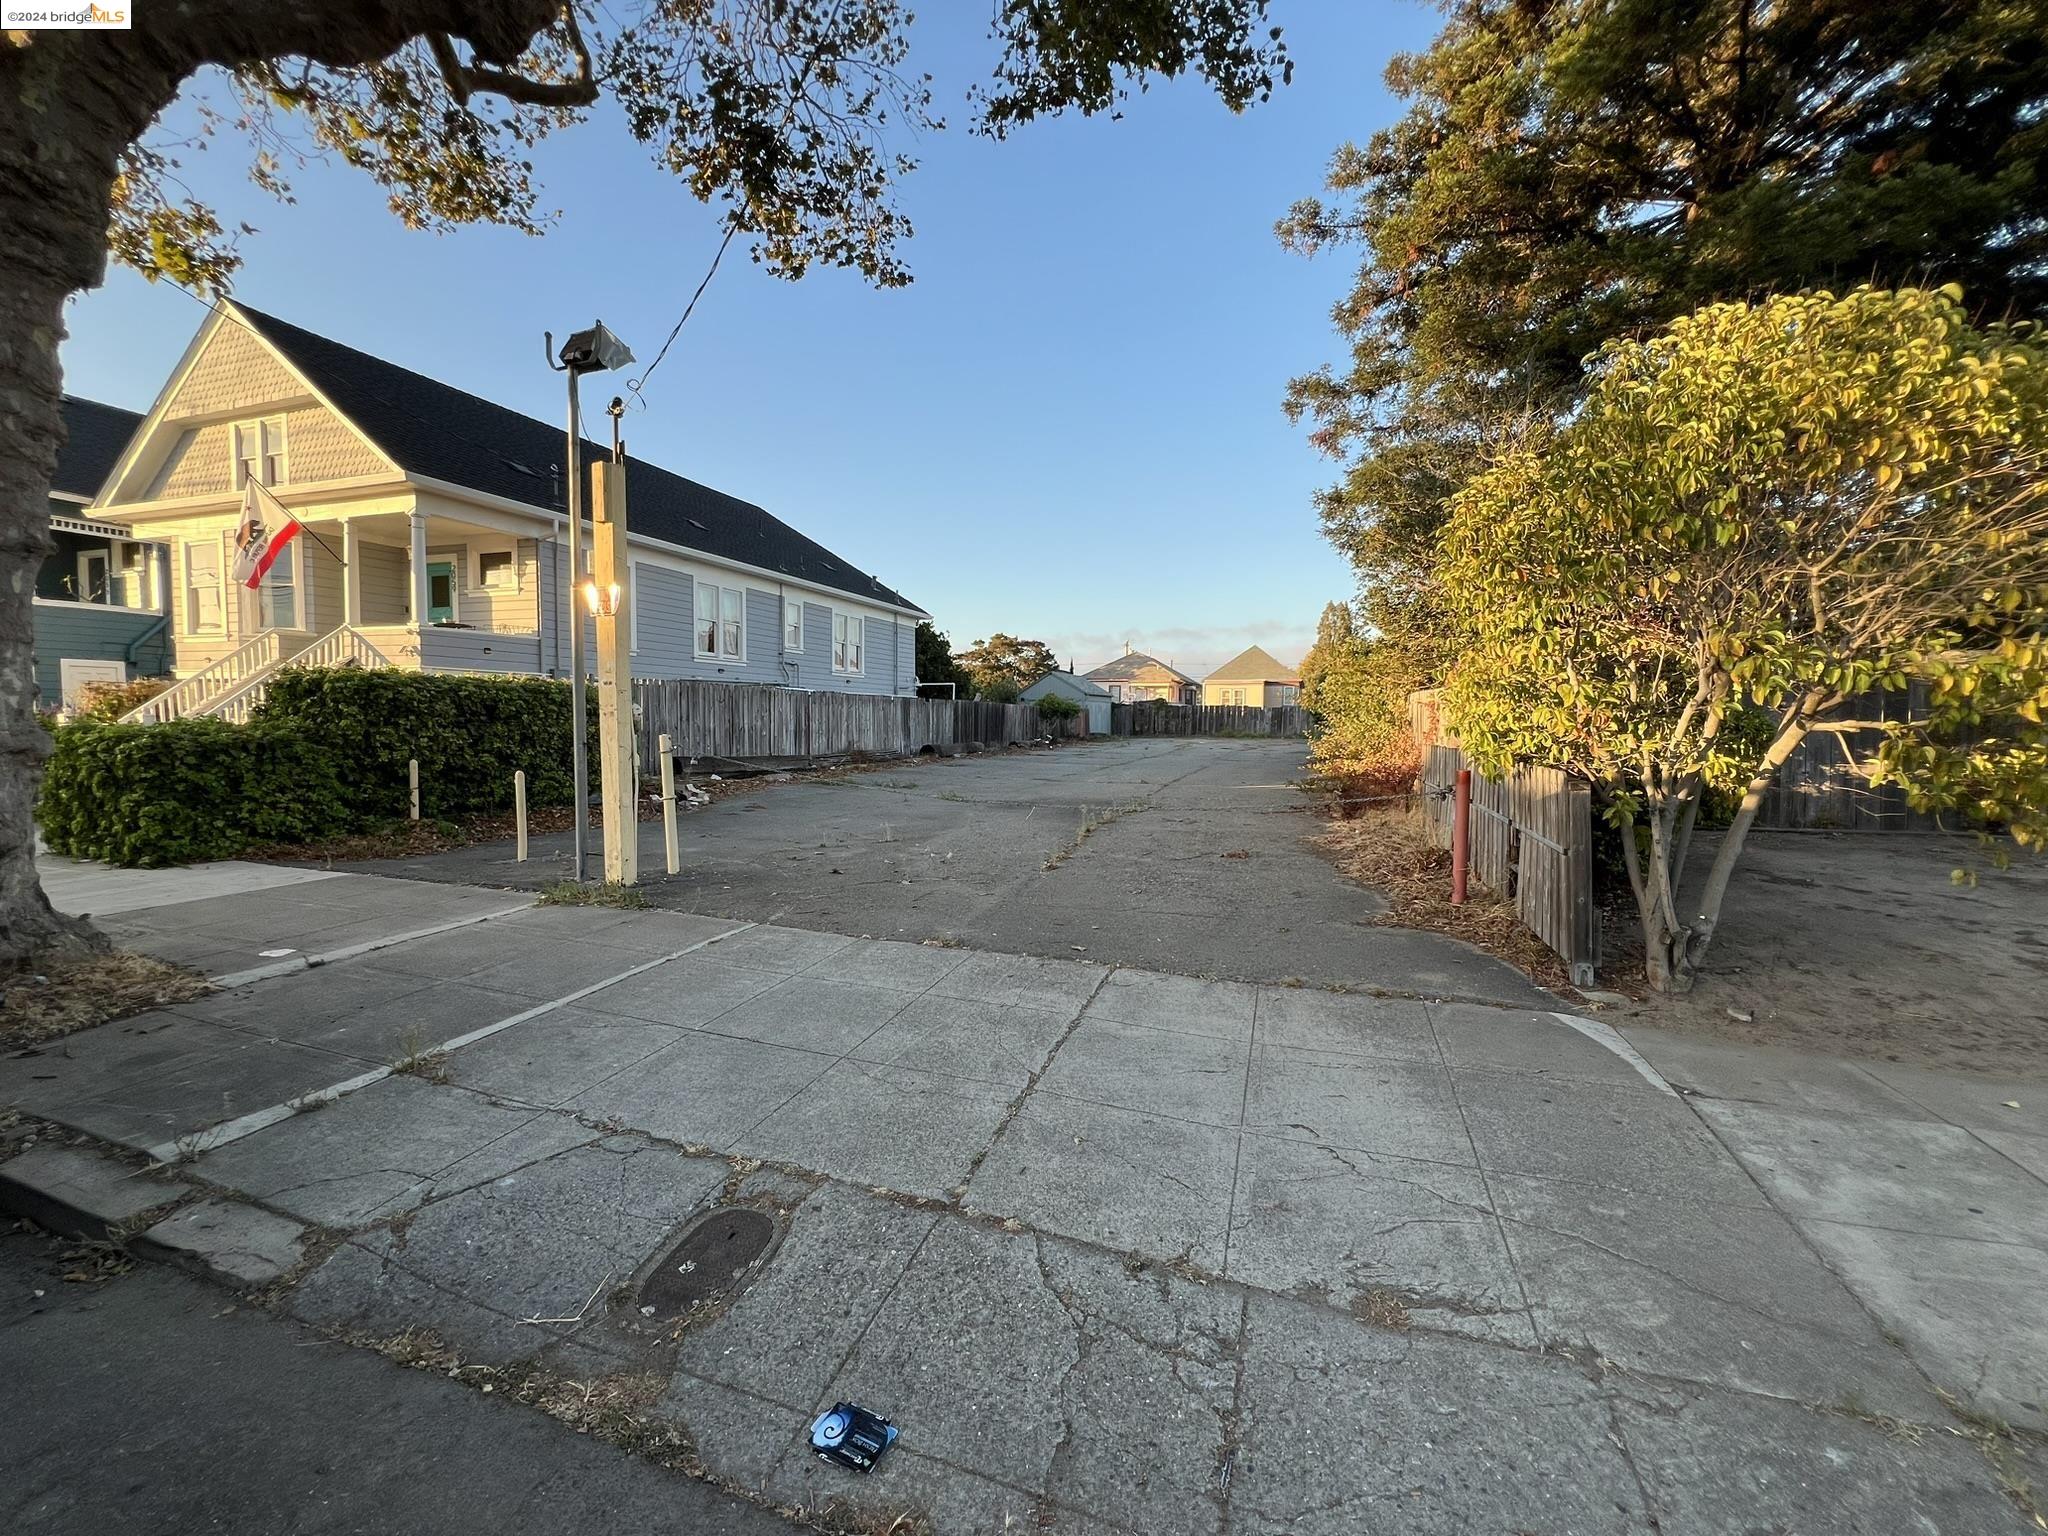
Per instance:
x=1532, y=844
x=1156, y=718
x=753, y=720
x=1819, y=785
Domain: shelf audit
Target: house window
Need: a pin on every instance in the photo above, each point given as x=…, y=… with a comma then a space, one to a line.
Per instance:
x=848, y=630
x=721, y=621
x=136, y=587
x=277, y=599
x=202, y=589
x=259, y=451
x=496, y=571
x=792, y=624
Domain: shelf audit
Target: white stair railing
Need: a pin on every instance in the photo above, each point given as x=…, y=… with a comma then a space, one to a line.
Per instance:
x=194, y=694
x=338, y=648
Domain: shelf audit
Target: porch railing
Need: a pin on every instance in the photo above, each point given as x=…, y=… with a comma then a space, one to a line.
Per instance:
x=197, y=694
x=341, y=647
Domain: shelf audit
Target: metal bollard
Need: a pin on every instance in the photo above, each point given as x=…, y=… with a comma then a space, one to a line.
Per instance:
x=668, y=803
x=519, y=810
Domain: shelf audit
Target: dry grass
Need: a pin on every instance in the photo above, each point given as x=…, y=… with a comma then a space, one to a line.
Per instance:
x=1388, y=850
x=66, y=992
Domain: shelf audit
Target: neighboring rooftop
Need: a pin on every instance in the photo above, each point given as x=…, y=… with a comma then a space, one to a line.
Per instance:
x=443, y=433
x=1135, y=667
x=95, y=436
x=1253, y=665
x=1082, y=687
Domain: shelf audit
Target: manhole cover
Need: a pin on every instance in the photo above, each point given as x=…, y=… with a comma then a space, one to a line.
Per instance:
x=710, y=1259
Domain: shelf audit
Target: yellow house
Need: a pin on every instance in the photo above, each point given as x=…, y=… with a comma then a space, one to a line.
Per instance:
x=435, y=538
x=1253, y=678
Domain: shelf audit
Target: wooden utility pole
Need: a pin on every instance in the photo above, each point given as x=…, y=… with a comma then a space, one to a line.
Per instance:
x=612, y=572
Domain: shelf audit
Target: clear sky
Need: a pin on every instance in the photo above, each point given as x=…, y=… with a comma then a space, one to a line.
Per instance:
x=1067, y=428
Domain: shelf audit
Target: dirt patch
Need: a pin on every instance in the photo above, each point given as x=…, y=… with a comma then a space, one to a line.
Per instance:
x=1387, y=848
x=64, y=993
x=1860, y=944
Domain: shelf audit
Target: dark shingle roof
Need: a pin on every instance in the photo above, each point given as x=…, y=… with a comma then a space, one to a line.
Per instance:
x=94, y=437
x=433, y=429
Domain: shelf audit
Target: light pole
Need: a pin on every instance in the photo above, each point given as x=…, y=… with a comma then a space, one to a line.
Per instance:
x=596, y=350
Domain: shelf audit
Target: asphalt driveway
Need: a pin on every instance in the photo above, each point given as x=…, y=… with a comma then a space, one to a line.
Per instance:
x=1176, y=855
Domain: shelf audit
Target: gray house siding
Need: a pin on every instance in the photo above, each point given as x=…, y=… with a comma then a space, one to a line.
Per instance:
x=666, y=638
x=89, y=632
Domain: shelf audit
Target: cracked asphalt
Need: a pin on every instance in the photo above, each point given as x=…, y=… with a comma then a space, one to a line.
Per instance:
x=1193, y=861
x=1119, y=1249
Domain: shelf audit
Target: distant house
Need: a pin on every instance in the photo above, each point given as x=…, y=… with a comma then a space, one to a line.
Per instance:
x=99, y=599
x=1134, y=676
x=1254, y=678
x=1090, y=695
x=435, y=537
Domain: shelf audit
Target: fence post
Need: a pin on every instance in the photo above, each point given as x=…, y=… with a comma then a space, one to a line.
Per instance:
x=1461, y=837
x=519, y=810
x=668, y=803
x=412, y=774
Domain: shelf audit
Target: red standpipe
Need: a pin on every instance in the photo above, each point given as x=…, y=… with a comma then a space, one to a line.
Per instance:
x=1461, y=836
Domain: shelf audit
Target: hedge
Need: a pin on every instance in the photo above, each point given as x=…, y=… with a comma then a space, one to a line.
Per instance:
x=325, y=754
x=468, y=733
x=192, y=789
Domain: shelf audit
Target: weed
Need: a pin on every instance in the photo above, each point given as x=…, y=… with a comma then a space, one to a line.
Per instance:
x=419, y=1059
x=575, y=893
x=61, y=993
x=1091, y=822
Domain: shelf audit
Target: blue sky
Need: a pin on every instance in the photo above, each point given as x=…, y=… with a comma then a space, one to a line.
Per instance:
x=1067, y=428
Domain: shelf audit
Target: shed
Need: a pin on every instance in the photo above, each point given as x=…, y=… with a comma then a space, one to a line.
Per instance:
x=1092, y=697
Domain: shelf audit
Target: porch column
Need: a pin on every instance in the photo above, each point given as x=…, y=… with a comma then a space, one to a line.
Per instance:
x=351, y=588
x=417, y=521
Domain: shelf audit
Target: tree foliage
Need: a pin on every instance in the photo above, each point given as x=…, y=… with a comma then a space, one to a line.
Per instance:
x=1576, y=170
x=1357, y=684
x=787, y=113
x=1005, y=662
x=1758, y=515
x=935, y=663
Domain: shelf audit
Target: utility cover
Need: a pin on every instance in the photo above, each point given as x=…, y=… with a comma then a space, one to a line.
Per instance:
x=712, y=1258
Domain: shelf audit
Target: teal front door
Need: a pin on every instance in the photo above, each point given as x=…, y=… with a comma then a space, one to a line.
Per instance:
x=441, y=592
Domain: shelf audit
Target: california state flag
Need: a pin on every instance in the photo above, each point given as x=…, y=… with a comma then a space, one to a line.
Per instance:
x=267, y=526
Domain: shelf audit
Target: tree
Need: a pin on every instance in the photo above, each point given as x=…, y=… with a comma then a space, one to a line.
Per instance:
x=1357, y=686
x=1005, y=660
x=935, y=663
x=1576, y=170
x=1758, y=515
x=779, y=110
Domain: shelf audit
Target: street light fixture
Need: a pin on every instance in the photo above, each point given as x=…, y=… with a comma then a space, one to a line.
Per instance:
x=595, y=350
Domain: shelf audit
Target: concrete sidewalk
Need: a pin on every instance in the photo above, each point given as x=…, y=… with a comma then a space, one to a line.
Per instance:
x=236, y=922
x=1123, y=1250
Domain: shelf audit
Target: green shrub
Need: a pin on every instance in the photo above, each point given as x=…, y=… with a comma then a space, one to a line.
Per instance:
x=1057, y=706
x=469, y=734
x=186, y=790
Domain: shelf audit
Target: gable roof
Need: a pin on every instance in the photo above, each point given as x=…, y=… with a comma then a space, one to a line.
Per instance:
x=95, y=436
x=1066, y=682
x=1136, y=666
x=1253, y=665
x=440, y=432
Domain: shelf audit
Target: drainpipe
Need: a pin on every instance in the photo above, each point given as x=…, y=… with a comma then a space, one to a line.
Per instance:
x=554, y=580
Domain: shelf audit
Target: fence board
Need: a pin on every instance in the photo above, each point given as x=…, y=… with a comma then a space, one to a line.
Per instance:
x=1157, y=718
x=748, y=720
x=1532, y=844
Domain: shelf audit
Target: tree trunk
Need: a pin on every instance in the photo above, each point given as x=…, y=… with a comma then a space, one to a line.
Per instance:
x=65, y=117
x=1699, y=933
